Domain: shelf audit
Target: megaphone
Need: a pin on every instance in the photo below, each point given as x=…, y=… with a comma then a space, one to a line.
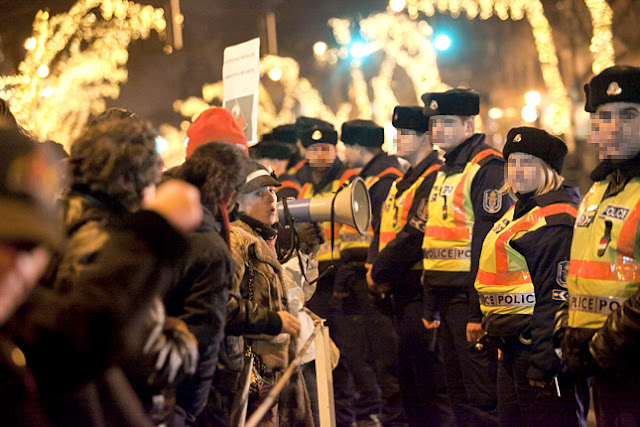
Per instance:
x=352, y=206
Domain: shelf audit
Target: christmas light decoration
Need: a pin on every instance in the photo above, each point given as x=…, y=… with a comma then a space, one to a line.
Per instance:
x=73, y=62
x=403, y=42
x=601, y=42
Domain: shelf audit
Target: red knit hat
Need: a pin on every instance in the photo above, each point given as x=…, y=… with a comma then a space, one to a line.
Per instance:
x=215, y=125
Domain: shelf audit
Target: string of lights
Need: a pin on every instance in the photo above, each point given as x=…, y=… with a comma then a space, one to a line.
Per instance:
x=559, y=118
x=73, y=62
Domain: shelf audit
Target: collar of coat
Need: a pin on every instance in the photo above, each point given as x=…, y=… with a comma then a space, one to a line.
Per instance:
x=243, y=236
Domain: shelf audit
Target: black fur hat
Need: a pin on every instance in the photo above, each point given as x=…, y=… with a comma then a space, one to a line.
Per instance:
x=365, y=133
x=454, y=102
x=620, y=83
x=411, y=118
x=536, y=142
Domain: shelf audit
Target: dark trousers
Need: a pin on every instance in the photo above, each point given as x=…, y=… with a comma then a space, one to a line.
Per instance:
x=470, y=373
x=355, y=384
x=383, y=341
x=309, y=373
x=616, y=400
x=520, y=404
x=421, y=368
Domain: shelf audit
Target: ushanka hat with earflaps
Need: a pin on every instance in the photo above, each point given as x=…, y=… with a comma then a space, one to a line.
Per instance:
x=620, y=83
x=365, y=133
x=315, y=131
x=454, y=102
x=258, y=177
x=412, y=118
x=538, y=143
x=285, y=133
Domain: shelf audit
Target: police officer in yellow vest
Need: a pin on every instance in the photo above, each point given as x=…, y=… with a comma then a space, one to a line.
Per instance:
x=463, y=205
x=521, y=282
x=397, y=268
x=366, y=336
x=603, y=335
x=363, y=140
x=321, y=175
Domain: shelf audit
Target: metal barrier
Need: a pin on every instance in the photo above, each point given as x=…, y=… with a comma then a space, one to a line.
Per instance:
x=324, y=376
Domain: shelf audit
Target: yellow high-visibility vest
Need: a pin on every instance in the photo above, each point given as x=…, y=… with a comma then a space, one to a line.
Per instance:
x=603, y=270
x=307, y=192
x=504, y=282
x=449, y=229
x=349, y=236
x=395, y=211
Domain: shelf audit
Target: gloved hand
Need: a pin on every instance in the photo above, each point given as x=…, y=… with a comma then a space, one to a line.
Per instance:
x=311, y=236
x=577, y=356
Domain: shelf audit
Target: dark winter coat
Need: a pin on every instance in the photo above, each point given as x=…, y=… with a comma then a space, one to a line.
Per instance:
x=74, y=341
x=198, y=295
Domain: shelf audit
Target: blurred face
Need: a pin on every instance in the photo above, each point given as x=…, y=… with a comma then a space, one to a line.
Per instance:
x=408, y=141
x=261, y=205
x=447, y=132
x=615, y=130
x=20, y=269
x=352, y=154
x=321, y=156
x=525, y=172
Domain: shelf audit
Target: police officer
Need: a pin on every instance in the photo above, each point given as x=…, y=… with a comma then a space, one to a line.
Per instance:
x=521, y=280
x=463, y=205
x=272, y=153
x=321, y=175
x=397, y=269
x=366, y=335
x=603, y=335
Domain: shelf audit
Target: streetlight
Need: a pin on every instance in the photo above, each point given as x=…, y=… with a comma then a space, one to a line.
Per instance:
x=529, y=113
x=532, y=98
x=397, y=5
x=275, y=74
x=442, y=42
x=319, y=48
x=358, y=50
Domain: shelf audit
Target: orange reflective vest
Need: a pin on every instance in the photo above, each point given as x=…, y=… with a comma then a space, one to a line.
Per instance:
x=603, y=270
x=395, y=211
x=503, y=282
x=307, y=192
x=449, y=228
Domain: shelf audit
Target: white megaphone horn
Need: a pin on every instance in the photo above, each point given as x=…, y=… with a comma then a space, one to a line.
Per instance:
x=352, y=206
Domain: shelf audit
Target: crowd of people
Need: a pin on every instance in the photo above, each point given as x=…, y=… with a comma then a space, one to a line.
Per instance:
x=486, y=292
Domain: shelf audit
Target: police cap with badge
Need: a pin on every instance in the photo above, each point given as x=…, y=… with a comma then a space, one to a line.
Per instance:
x=538, y=143
x=411, y=118
x=315, y=131
x=364, y=133
x=620, y=83
x=454, y=102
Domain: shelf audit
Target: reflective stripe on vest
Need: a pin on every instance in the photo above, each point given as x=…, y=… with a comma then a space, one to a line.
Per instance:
x=295, y=168
x=349, y=236
x=503, y=281
x=324, y=253
x=448, y=232
x=603, y=271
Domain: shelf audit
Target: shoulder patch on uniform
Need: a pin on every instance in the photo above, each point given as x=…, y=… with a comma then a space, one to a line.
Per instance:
x=492, y=201
x=562, y=272
x=417, y=224
x=560, y=295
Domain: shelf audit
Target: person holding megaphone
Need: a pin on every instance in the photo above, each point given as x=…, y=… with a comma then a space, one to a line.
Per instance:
x=259, y=278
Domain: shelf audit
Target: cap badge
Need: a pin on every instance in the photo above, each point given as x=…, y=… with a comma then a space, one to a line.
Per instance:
x=517, y=138
x=614, y=89
x=395, y=116
x=316, y=135
x=433, y=105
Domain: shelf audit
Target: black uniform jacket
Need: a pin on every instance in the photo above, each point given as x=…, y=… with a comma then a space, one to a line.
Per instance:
x=403, y=252
x=544, y=250
x=489, y=177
